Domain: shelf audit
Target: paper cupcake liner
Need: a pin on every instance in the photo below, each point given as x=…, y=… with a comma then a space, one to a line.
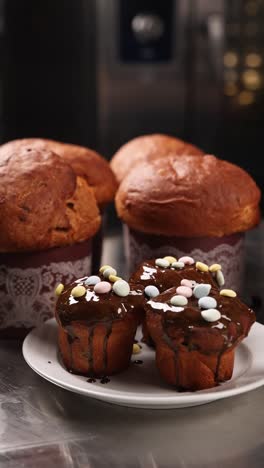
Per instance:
x=229, y=251
x=28, y=280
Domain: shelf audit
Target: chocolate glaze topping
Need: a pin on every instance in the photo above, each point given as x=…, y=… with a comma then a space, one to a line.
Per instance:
x=95, y=308
x=164, y=278
x=92, y=309
x=186, y=325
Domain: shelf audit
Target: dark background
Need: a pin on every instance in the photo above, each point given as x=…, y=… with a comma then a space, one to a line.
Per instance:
x=77, y=71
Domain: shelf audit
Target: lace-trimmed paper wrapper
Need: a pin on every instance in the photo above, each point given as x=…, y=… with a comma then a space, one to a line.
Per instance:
x=228, y=251
x=28, y=281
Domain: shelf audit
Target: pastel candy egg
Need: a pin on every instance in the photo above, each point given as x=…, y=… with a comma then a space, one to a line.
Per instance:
x=228, y=293
x=186, y=282
x=215, y=267
x=136, y=348
x=211, y=315
x=202, y=266
x=109, y=271
x=59, y=289
x=114, y=278
x=177, y=265
x=184, y=291
x=104, y=267
x=220, y=278
x=92, y=280
x=103, y=287
x=162, y=263
x=78, y=291
x=207, y=302
x=179, y=300
x=170, y=259
x=151, y=291
x=187, y=260
x=202, y=290
x=121, y=288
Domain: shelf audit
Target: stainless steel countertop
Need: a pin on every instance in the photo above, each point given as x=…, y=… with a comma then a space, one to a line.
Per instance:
x=44, y=426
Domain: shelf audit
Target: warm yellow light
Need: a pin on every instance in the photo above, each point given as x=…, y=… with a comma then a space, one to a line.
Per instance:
x=230, y=59
x=252, y=79
x=245, y=98
x=230, y=89
x=253, y=60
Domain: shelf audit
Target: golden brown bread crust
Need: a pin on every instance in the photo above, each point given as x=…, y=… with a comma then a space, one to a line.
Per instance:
x=85, y=162
x=148, y=148
x=42, y=202
x=189, y=197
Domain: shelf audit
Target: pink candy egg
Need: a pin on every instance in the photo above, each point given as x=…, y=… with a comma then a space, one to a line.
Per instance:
x=184, y=291
x=186, y=260
x=187, y=283
x=103, y=287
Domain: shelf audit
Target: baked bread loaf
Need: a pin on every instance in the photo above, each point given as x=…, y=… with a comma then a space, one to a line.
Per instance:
x=97, y=323
x=196, y=333
x=43, y=203
x=86, y=163
x=148, y=148
x=189, y=197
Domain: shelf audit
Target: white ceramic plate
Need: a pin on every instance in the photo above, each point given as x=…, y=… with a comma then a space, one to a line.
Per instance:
x=140, y=386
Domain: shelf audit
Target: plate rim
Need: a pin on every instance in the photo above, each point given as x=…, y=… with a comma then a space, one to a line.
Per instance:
x=118, y=397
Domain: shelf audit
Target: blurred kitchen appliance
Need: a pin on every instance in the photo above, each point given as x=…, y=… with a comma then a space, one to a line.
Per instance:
x=190, y=68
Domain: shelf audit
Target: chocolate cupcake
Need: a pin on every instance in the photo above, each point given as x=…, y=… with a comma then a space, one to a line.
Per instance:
x=158, y=275
x=148, y=148
x=90, y=166
x=97, y=323
x=199, y=206
x=196, y=335
x=49, y=217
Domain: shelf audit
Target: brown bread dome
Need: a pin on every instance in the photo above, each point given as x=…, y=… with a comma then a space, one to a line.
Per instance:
x=43, y=203
x=148, y=148
x=189, y=197
x=85, y=162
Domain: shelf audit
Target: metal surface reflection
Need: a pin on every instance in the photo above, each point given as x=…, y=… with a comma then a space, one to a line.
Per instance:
x=44, y=426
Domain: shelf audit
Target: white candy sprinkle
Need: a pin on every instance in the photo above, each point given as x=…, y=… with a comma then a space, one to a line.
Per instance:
x=121, y=288
x=220, y=278
x=202, y=290
x=177, y=265
x=179, y=300
x=162, y=263
x=165, y=307
x=151, y=291
x=109, y=271
x=211, y=315
x=92, y=280
x=207, y=302
x=219, y=325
